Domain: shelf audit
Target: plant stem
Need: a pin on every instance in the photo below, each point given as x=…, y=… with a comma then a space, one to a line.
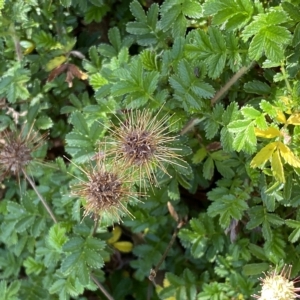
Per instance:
x=230, y=83
x=96, y=223
x=282, y=68
x=101, y=287
x=16, y=42
x=194, y=121
x=191, y=124
x=154, y=271
x=40, y=197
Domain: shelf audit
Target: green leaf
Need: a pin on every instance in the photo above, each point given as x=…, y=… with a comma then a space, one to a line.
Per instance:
x=94, y=65
x=234, y=55
x=137, y=84
x=257, y=46
x=19, y=247
x=79, y=123
x=228, y=207
x=211, y=48
x=44, y=39
x=145, y=27
x=137, y=28
x=13, y=85
x=173, y=190
x=199, y=155
x=152, y=16
x=73, y=244
x=216, y=39
x=44, y=122
x=257, y=216
x=94, y=244
x=292, y=10
x=255, y=269
x=79, y=140
x=239, y=125
x=24, y=223
x=64, y=287
x=137, y=11
x=250, y=113
x=66, y=3
x=97, y=80
x=70, y=262
x=173, y=15
x=183, y=287
x=295, y=234
x=208, y=168
x=231, y=14
x=257, y=251
x=114, y=37
x=199, y=247
x=57, y=237
x=107, y=50
x=188, y=87
x=268, y=108
x=216, y=62
x=273, y=51
x=83, y=255
x=32, y=289
x=213, y=122
x=98, y=3
x=274, y=248
x=296, y=37
x=169, y=13
x=149, y=60
x=244, y=138
x=257, y=87
x=95, y=13
x=203, y=89
x=269, y=37
x=33, y=266
x=192, y=9
x=225, y=169
x=288, y=187
x=9, y=292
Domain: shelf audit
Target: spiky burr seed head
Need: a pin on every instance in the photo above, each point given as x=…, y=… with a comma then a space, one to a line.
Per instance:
x=142, y=142
x=278, y=286
x=16, y=150
x=106, y=190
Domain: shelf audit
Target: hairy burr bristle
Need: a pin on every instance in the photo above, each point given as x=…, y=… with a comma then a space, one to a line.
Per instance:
x=138, y=146
x=16, y=150
x=14, y=156
x=278, y=286
x=141, y=142
x=106, y=189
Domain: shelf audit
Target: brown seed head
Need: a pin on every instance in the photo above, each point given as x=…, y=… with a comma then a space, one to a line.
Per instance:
x=141, y=142
x=106, y=190
x=16, y=150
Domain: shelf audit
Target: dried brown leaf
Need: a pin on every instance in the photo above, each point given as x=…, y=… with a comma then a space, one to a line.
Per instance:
x=56, y=72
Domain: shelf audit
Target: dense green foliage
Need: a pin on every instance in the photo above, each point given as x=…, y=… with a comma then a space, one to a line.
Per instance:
x=226, y=73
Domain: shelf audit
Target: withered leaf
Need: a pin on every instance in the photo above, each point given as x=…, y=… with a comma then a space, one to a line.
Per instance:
x=56, y=72
x=72, y=71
